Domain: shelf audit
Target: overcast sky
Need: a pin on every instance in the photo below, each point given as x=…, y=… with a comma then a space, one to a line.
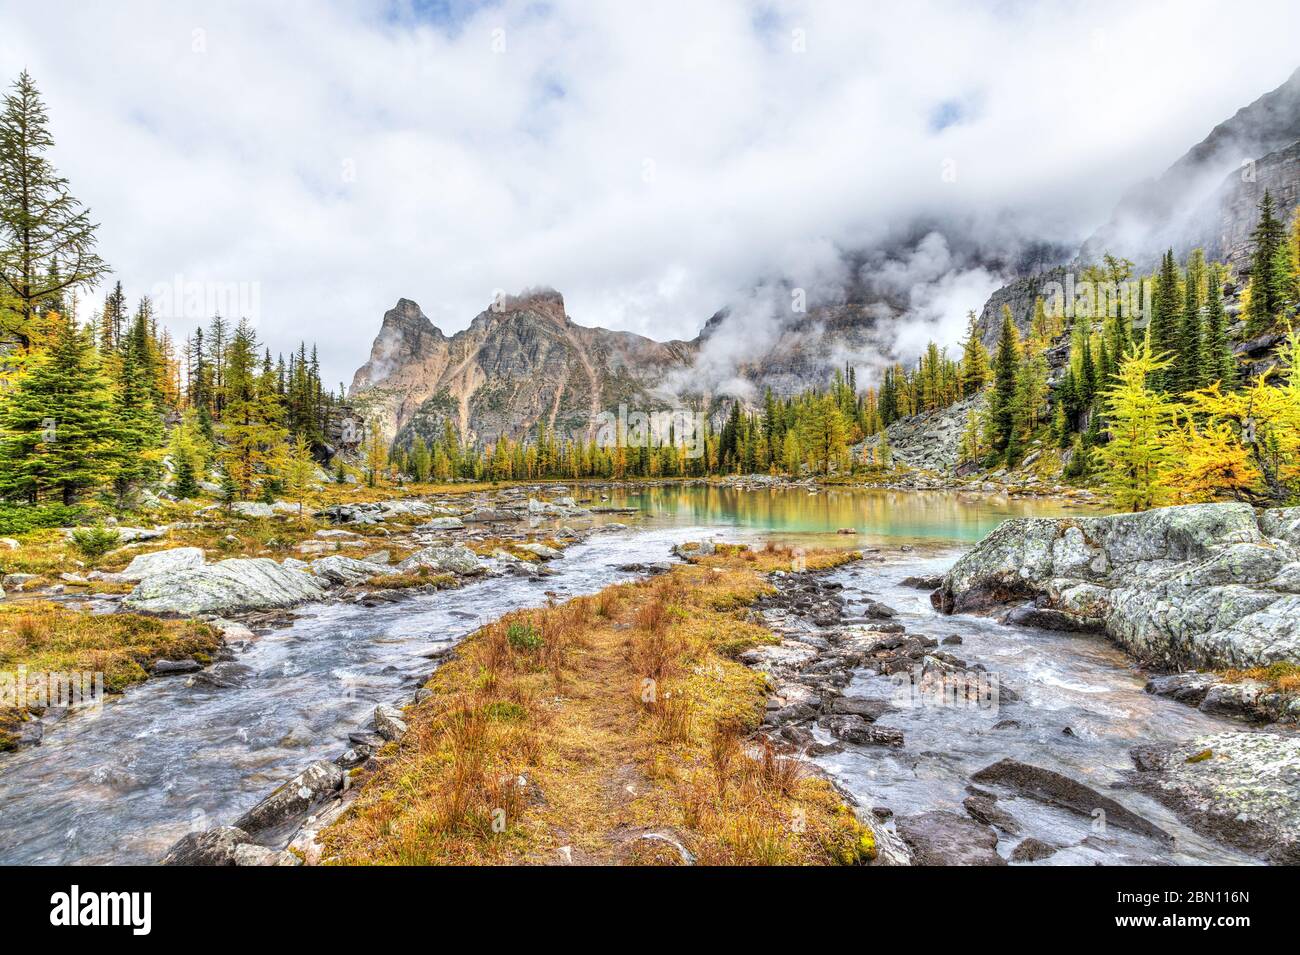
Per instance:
x=649, y=160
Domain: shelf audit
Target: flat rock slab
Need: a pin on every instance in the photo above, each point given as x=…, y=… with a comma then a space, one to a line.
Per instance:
x=945, y=838
x=161, y=562
x=1052, y=788
x=1240, y=788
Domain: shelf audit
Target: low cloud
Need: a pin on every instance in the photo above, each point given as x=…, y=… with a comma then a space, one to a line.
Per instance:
x=654, y=162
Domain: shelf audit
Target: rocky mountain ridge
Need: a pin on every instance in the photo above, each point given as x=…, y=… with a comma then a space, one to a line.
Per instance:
x=521, y=361
x=524, y=361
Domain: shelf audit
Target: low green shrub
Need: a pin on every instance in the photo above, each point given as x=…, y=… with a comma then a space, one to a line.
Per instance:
x=95, y=541
x=523, y=636
x=20, y=518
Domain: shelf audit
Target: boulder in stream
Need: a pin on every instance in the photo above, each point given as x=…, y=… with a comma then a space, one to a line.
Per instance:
x=229, y=586
x=922, y=581
x=293, y=799
x=1240, y=788
x=1033, y=850
x=854, y=729
x=1198, y=585
x=176, y=667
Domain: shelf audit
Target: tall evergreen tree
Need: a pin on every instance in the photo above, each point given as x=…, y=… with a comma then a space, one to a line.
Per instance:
x=1165, y=319
x=113, y=320
x=1269, y=276
x=1219, y=362
x=1002, y=401
x=138, y=410
x=252, y=420
x=1189, y=370
x=47, y=241
x=974, y=358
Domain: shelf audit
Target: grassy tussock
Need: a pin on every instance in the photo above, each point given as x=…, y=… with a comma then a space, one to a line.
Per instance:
x=582, y=724
x=1282, y=677
x=419, y=577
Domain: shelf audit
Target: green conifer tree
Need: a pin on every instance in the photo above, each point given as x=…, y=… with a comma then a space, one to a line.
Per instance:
x=57, y=428
x=1006, y=360
x=1269, y=276
x=1219, y=362
x=47, y=241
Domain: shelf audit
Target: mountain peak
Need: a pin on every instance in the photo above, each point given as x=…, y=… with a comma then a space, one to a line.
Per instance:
x=405, y=336
x=541, y=300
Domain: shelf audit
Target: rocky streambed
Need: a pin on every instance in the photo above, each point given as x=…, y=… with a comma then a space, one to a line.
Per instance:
x=1201, y=586
x=972, y=741
x=1024, y=735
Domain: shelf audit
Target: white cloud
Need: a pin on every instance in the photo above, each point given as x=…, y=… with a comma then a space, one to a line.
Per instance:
x=651, y=161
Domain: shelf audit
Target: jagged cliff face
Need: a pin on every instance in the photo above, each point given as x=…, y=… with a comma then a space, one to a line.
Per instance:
x=1207, y=198
x=1237, y=203
x=520, y=362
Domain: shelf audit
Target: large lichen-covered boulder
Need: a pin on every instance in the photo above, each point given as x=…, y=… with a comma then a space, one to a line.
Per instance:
x=347, y=570
x=1241, y=788
x=1208, y=585
x=162, y=562
x=456, y=559
x=229, y=586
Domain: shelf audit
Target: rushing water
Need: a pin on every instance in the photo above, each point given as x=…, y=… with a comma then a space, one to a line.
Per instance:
x=1082, y=709
x=167, y=757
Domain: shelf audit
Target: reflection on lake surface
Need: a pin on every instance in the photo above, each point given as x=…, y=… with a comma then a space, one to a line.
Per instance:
x=878, y=515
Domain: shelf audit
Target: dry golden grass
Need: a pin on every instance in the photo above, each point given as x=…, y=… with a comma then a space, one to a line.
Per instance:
x=583, y=725
x=1282, y=677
